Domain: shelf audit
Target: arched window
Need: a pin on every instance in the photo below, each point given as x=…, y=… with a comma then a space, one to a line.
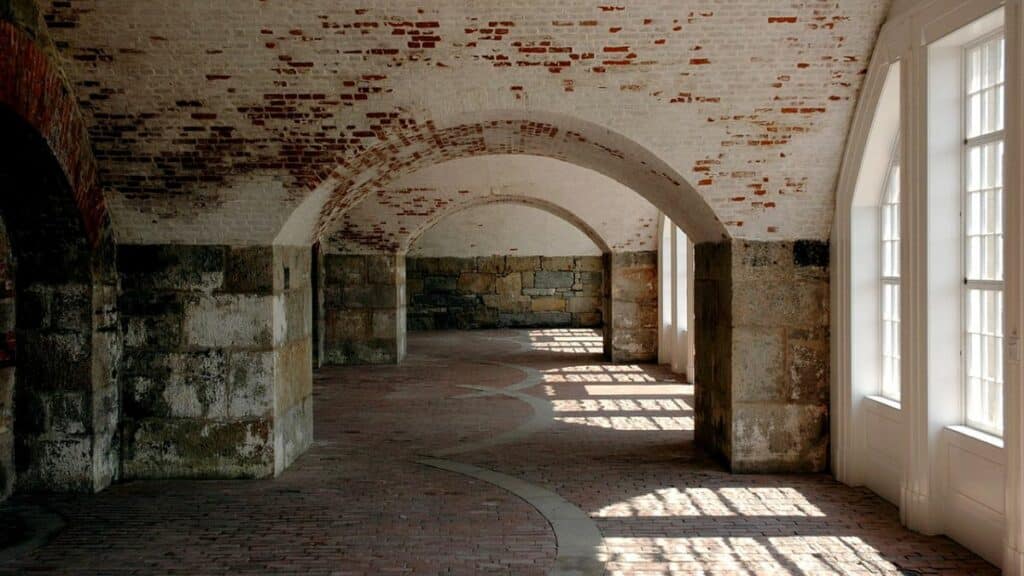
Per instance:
x=889, y=210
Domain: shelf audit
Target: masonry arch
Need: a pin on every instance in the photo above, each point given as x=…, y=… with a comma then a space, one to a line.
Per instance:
x=547, y=134
x=59, y=403
x=540, y=204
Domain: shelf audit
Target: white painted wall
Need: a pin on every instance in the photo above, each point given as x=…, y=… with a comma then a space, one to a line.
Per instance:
x=675, y=299
x=947, y=479
x=503, y=229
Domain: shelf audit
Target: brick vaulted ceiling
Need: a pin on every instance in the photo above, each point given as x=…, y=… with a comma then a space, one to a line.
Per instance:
x=246, y=121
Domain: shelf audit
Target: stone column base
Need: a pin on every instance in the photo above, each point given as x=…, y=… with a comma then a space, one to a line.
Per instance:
x=364, y=308
x=762, y=354
x=631, y=331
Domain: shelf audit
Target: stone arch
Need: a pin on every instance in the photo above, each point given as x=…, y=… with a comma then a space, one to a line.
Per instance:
x=536, y=133
x=34, y=88
x=59, y=404
x=540, y=204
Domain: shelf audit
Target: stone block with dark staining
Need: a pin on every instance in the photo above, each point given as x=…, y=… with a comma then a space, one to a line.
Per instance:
x=364, y=305
x=632, y=334
x=505, y=291
x=217, y=369
x=762, y=331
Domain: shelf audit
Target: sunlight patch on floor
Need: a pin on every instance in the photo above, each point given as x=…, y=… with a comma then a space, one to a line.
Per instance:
x=567, y=340
x=621, y=405
x=624, y=423
x=744, y=556
x=728, y=501
x=598, y=373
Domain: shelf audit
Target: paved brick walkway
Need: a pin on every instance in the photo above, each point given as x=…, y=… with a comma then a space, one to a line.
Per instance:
x=613, y=441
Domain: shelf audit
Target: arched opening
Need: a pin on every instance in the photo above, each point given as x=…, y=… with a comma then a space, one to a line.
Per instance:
x=540, y=204
x=618, y=222
x=510, y=262
x=545, y=134
x=59, y=404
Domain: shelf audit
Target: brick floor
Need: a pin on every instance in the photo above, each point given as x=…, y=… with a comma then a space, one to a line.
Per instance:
x=620, y=448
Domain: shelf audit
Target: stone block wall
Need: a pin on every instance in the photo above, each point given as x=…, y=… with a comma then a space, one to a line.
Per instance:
x=7, y=358
x=217, y=374
x=363, y=308
x=63, y=366
x=762, y=341
x=633, y=334
x=293, y=354
x=505, y=291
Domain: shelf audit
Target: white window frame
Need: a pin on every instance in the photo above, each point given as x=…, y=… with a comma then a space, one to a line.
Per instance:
x=968, y=284
x=891, y=178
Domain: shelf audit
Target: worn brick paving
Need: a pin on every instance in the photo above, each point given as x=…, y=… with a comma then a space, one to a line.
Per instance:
x=620, y=448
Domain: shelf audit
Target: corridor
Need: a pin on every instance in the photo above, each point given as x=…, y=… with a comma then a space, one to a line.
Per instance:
x=488, y=452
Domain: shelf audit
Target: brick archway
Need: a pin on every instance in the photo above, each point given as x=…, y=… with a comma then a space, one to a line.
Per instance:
x=546, y=206
x=34, y=89
x=62, y=341
x=536, y=133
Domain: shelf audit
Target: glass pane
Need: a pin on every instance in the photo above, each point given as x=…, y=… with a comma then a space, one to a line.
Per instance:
x=984, y=359
x=984, y=90
x=890, y=341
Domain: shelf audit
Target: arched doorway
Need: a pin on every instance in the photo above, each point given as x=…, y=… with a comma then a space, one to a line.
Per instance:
x=58, y=373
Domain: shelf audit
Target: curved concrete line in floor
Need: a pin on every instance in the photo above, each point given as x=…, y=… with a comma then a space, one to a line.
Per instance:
x=40, y=523
x=533, y=378
x=579, y=540
x=543, y=417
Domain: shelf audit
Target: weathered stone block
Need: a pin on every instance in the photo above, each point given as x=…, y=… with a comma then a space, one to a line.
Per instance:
x=779, y=437
x=589, y=264
x=176, y=385
x=347, y=324
x=635, y=345
x=522, y=263
x=249, y=270
x=64, y=462
x=229, y=321
x=534, y=319
x=250, y=376
x=557, y=263
x=439, y=284
x=452, y=266
x=548, y=304
x=491, y=264
x=758, y=372
x=385, y=324
x=578, y=304
x=780, y=304
x=549, y=279
x=343, y=269
x=538, y=291
x=635, y=284
x=6, y=463
x=476, y=283
x=376, y=295
x=807, y=367
x=510, y=285
x=171, y=267
x=528, y=279
x=381, y=269
x=168, y=448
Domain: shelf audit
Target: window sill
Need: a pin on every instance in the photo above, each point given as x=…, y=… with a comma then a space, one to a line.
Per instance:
x=886, y=402
x=977, y=442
